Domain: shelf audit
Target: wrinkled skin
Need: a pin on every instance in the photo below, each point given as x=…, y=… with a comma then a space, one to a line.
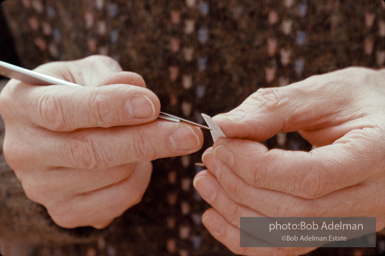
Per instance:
x=342, y=114
x=84, y=152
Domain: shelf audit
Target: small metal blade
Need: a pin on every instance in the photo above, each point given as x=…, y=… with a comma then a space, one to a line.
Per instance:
x=170, y=117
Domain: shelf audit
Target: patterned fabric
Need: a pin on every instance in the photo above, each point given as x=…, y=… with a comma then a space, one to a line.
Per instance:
x=198, y=56
x=7, y=52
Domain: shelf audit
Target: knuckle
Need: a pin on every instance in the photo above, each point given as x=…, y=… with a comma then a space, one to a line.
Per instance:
x=304, y=208
x=144, y=149
x=234, y=214
x=235, y=189
x=103, y=224
x=10, y=100
x=83, y=153
x=104, y=110
x=12, y=153
x=51, y=111
x=64, y=221
x=5, y=102
x=62, y=215
x=32, y=189
x=259, y=177
x=311, y=185
x=137, y=199
x=269, y=98
x=101, y=60
x=18, y=157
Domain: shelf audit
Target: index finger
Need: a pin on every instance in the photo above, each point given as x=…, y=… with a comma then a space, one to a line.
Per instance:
x=67, y=108
x=347, y=162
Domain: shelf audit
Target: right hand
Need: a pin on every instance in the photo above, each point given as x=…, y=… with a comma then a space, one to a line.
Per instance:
x=342, y=114
x=84, y=152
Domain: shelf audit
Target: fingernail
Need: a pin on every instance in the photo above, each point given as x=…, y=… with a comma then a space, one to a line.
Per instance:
x=214, y=225
x=211, y=162
x=206, y=153
x=223, y=154
x=140, y=106
x=184, y=138
x=234, y=115
x=205, y=188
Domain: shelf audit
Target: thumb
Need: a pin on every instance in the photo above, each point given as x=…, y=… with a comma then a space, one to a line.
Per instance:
x=302, y=106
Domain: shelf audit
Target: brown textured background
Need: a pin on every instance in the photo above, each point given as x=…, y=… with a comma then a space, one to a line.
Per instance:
x=237, y=63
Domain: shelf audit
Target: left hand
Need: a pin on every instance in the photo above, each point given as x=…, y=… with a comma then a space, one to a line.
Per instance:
x=84, y=152
x=341, y=113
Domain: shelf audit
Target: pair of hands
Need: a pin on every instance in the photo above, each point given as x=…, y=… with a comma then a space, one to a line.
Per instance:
x=77, y=148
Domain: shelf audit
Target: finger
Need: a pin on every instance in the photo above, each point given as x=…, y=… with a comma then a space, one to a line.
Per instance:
x=103, y=224
x=104, y=148
x=89, y=71
x=352, y=201
x=315, y=103
x=83, y=181
x=304, y=174
x=208, y=187
x=65, y=108
x=229, y=236
x=44, y=186
x=85, y=209
x=92, y=71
